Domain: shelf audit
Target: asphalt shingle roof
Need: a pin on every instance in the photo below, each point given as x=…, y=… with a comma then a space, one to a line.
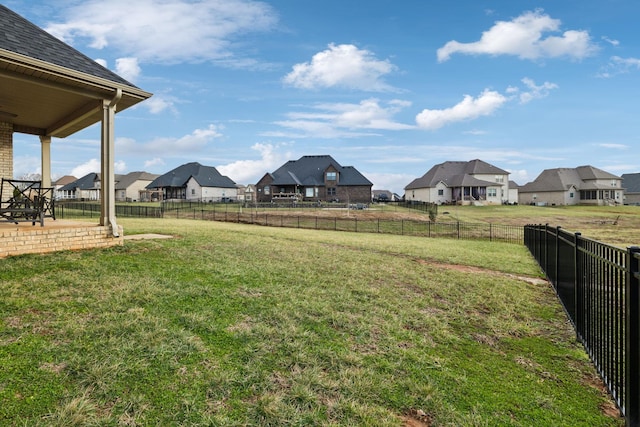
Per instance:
x=124, y=181
x=631, y=182
x=457, y=174
x=561, y=179
x=23, y=37
x=309, y=171
x=87, y=182
x=205, y=176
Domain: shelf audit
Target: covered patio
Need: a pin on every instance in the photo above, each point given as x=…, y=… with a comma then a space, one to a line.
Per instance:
x=50, y=90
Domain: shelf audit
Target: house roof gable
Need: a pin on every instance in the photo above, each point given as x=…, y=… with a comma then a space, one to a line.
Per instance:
x=205, y=176
x=631, y=182
x=87, y=182
x=125, y=181
x=309, y=171
x=457, y=173
x=562, y=179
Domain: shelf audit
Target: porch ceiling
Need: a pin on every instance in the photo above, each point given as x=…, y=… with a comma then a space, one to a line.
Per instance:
x=41, y=98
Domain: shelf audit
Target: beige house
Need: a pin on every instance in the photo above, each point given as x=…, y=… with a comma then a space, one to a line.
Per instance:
x=132, y=186
x=472, y=182
x=585, y=185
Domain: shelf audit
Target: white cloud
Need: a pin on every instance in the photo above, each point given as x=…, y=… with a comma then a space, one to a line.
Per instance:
x=156, y=161
x=158, y=103
x=194, y=142
x=520, y=176
x=611, y=41
x=93, y=166
x=534, y=91
x=250, y=171
x=189, y=145
x=618, y=65
x=469, y=108
x=613, y=146
x=128, y=68
x=26, y=165
x=347, y=120
x=343, y=66
x=102, y=62
x=165, y=31
x=524, y=37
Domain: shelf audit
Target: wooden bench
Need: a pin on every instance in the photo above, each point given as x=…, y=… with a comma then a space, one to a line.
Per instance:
x=26, y=201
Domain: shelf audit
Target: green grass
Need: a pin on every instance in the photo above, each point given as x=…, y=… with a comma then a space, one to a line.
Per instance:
x=229, y=324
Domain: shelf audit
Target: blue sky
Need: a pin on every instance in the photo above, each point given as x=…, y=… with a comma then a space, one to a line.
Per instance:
x=389, y=87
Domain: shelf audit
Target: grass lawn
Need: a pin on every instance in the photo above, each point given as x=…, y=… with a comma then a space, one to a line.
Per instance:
x=231, y=324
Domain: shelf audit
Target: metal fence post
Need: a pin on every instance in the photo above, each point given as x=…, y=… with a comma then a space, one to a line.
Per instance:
x=632, y=338
x=578, y=283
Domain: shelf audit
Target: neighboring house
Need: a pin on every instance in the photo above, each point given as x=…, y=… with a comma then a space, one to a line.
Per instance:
x=513, y=192
x=85, y=188
x=631, y=186
x=472, y=182
x=314, y=178
x=193, y=181
x=247, y=193
x=382, y=196
x=132, y=186
x=586, y=185
x=61, y=182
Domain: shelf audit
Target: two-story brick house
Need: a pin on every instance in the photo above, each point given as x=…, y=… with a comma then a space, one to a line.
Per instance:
x=314, y=178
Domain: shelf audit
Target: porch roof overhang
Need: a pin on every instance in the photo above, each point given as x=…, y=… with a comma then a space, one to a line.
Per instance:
x=45, y=99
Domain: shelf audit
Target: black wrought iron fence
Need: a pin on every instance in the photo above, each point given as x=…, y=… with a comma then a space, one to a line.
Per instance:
x=233, y=213
x=599, y=286
x=405, y=227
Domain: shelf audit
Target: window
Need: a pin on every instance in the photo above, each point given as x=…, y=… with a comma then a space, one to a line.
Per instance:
x=441, y=192
x=309, y=192
x=571, y=195
x=492, y=192
x=193, y=191
x=332, y=176
x=331, y=191
x=267, y=189
x=499, y=178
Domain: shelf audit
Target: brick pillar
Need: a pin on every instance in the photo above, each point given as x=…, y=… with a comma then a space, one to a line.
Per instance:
x=6, y=150
x=6, y=153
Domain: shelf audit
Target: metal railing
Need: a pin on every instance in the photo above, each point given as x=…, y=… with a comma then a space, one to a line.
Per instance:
x=218, y=212
x=599, y=287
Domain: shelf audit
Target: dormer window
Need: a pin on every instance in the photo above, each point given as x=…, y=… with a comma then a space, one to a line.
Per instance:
x=332, y=176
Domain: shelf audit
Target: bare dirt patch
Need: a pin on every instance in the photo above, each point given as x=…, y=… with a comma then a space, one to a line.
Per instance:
x=479, y=270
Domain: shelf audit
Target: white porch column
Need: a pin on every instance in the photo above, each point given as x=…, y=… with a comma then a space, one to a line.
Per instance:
x=107, y=165
x=45, y=160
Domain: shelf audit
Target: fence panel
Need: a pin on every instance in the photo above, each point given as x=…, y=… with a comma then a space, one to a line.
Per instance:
x=598, y=287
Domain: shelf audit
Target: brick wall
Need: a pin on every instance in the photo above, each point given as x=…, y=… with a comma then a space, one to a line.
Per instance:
x=35, y=239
